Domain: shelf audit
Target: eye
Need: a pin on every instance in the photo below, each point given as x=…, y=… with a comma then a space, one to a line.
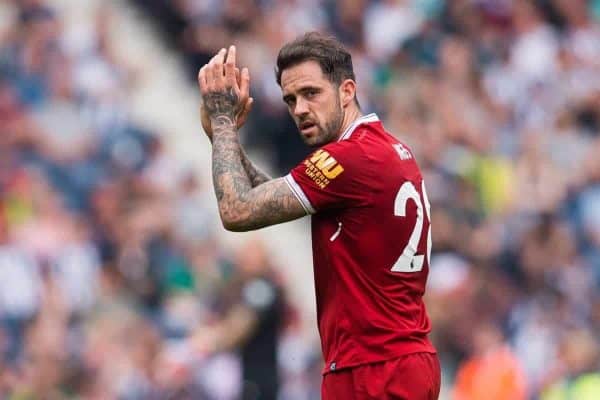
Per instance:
x=310, y=93
x=289, y=100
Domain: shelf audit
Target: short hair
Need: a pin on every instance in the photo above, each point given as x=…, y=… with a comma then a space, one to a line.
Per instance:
x=332, y=56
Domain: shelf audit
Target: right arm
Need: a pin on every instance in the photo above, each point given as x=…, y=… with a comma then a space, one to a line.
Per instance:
x=242, y=207
x=256, y=176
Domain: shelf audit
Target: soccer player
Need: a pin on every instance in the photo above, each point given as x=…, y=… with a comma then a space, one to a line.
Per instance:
x=370, y=216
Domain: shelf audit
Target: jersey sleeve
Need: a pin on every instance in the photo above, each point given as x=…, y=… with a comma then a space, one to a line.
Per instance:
x=335, y=176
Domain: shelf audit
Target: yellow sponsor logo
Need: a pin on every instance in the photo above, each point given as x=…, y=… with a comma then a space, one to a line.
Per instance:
x=327, y=164
x=321, y=167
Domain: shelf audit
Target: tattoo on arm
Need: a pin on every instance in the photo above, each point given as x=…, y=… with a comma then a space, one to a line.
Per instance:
x=241, y=207
x=221, y=108
x=225, y=102
x=229, y=175
x=268, y=204
x=256, y=176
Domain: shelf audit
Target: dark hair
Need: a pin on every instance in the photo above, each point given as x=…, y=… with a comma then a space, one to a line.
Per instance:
x=332, y=56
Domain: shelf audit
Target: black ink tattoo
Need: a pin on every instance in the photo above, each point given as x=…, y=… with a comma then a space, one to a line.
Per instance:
x=256, y=176
x=223, y=103
x=241, y=206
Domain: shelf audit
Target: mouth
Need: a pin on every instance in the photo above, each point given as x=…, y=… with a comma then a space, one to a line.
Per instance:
x=306, y=127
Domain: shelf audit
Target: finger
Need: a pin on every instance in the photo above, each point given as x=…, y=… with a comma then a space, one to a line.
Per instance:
x=213, y=59
x=230, y=67
x=210, y=79
x=202, y=79
x=244, y=114
x=238, y=79
x=245, y=83
x=217, y=68
x=218, y=54
x=247, y=106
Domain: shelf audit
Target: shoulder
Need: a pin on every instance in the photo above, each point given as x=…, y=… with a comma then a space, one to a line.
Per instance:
x=358, y=140
x=344, y=155
x=343, y=149
x=373, y=142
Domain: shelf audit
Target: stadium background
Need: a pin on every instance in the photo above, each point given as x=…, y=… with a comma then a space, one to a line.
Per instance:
x=113, y=265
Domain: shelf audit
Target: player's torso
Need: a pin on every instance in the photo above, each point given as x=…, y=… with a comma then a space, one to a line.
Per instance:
x=371, y=261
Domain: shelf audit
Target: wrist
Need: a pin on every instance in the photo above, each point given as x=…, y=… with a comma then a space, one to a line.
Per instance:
x=222, y=121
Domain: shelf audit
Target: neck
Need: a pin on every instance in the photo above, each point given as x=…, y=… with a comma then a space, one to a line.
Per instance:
x=351, y=115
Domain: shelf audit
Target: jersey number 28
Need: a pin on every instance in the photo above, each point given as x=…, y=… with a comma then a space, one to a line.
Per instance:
x=409, y=261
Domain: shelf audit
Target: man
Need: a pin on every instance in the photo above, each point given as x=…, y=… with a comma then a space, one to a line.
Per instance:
x=370, y=217
x=251, y=309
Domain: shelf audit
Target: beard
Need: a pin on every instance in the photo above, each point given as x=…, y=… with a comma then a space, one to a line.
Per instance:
x=329, y=130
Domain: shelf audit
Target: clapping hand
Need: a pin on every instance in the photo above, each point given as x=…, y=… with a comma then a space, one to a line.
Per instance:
x=225, y=91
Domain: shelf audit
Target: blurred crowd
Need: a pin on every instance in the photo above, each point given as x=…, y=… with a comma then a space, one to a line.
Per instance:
x=113, y=283
x=500, y=101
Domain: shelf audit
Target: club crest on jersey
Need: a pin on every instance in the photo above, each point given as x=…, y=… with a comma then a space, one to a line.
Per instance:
x=321, y=167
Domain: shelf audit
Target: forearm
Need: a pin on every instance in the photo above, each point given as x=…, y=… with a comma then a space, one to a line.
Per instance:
x=241, y=207
x=247, y=198
x=235, y=328
x=230, y=179
x=256, y=176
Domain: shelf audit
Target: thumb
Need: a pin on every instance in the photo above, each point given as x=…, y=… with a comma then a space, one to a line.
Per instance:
x=244, y=114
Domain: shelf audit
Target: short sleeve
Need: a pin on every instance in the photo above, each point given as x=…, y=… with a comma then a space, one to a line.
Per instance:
x=335, y=176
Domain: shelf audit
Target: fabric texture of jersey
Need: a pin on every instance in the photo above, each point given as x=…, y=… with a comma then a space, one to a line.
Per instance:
x=367, y=198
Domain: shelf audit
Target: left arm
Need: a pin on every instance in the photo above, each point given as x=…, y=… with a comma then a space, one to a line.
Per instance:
x=241, y=206
x=231, y=332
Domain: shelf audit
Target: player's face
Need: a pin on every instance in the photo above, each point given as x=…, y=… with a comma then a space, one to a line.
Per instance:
x=314, y=103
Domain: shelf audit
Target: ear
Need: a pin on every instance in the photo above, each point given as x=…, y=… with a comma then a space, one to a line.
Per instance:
x=347, y=92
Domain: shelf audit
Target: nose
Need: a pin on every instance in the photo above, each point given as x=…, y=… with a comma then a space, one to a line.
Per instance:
x=301, y=107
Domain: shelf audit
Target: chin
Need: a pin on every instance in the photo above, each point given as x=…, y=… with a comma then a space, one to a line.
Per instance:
x=314, y=141
x=311, y=142
x=317, y=141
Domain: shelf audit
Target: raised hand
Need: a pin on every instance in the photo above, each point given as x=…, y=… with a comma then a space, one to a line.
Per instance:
x=241, y=118
x=224, y=98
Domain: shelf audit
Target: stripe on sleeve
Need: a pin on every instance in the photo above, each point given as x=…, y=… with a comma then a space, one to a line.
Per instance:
x=299, y=193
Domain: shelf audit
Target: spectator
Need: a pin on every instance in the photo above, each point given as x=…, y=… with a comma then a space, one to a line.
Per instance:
x=492, y=372
x=106, y=236
x=252, y=322
x=579, y=362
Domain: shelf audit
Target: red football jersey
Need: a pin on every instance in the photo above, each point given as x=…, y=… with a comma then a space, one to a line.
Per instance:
x=371, y=242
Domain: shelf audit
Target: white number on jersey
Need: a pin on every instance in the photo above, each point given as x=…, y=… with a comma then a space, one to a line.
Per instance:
x=409, y=261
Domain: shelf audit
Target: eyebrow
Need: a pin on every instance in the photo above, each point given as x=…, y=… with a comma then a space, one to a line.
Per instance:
x=303, y=89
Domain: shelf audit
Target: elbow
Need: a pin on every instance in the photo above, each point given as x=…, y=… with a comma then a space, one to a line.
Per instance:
x=233, y=226
x=234, y=222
